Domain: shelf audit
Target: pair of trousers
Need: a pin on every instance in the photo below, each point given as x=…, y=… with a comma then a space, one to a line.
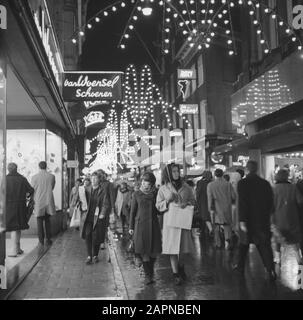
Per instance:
x=41, y=222
x=16, y=236
x=91, y=244
x=227, y=233
x=265, y=252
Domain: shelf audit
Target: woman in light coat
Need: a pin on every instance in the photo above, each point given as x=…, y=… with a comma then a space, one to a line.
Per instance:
x=176, y=241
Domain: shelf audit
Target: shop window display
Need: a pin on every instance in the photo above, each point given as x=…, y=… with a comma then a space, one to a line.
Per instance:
x=26, y=148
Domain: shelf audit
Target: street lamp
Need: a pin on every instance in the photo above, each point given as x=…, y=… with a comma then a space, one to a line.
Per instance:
x=147, y=10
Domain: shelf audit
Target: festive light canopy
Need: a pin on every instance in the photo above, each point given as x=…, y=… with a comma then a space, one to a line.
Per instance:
x=198, y=21
x=141, y=99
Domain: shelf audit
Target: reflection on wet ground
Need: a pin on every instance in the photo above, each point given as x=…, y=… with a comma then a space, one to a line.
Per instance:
x=210, y=276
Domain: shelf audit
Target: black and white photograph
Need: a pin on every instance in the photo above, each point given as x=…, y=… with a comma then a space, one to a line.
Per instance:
x=151, y=154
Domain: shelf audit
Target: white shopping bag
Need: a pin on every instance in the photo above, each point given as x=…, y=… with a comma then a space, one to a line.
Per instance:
x=75, y=221
x=179, y=218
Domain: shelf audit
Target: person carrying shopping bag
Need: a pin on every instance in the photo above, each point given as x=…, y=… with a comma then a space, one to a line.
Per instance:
x=175, y=194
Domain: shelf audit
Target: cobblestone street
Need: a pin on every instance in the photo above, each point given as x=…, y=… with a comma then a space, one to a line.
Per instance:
x=62, y=273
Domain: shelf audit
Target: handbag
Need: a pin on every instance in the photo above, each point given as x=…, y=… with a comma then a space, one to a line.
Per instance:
x=177, y=217
x=76, y=218
x=29, y=208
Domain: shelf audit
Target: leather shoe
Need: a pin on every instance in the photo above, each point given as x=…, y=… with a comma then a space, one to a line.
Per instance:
x=177, y=279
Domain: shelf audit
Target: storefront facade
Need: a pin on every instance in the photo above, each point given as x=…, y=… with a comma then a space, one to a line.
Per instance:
x=268, y=113
x=34, y=121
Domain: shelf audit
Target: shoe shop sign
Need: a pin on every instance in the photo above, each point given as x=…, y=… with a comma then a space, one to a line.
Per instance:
x=92, y=86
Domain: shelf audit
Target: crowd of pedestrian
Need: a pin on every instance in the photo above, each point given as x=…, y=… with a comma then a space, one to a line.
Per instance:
x=234, y=211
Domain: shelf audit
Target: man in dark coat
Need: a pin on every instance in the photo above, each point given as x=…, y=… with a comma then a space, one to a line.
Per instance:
x=255, y=208
x=17, y=190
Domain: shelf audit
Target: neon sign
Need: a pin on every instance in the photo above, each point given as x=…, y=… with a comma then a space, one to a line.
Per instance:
x=93, y=118
x=92, y=86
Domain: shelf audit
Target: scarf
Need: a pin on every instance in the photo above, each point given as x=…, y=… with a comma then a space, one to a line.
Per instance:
x=177, y=184
x=151, y=191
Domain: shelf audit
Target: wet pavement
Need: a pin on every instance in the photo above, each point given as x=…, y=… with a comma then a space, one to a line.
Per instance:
x=61, y=273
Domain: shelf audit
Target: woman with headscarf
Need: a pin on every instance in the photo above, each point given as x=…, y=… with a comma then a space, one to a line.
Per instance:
x=201, y=196
x=176, y=241
x=286, y=217
x=144, y=225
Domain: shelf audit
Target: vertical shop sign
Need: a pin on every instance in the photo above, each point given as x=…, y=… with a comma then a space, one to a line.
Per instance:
x=45, y=29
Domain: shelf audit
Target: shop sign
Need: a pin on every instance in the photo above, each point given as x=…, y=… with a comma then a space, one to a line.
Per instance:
x=92, y=86
x=3, y=17
x=93, y=118
x=186, y=74
x=72, y=163
x=189, y=108
x=184, y=88
x=45, y=29
x=91, y=104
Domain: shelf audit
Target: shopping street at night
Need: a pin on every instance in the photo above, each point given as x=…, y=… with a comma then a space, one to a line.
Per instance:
x=151, y=150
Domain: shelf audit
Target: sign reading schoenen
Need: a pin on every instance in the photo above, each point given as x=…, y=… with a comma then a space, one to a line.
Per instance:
x=3, y=282
x=3, y=17
x=92, y=86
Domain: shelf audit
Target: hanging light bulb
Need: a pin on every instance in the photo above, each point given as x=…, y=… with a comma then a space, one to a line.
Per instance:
x=147, y=10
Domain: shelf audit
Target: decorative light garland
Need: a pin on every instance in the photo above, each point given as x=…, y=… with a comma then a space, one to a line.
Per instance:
x=141, y=99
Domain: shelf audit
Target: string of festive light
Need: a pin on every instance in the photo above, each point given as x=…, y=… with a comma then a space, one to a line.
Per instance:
x=197, y=20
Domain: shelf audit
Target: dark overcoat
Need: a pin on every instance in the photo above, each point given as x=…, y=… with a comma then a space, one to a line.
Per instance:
x=100, y=225
x=17, y=188
x=255, y=208
x=201, y=197
x=144, y=222
x=286, y=217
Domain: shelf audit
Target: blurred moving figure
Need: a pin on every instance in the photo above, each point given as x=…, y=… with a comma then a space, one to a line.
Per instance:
x=286, y=217
x=202, y=202
x=255, y=208
x=221, y=195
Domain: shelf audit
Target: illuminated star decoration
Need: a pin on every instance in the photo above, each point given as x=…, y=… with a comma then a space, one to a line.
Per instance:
x=141, y=98
x=199, y=22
